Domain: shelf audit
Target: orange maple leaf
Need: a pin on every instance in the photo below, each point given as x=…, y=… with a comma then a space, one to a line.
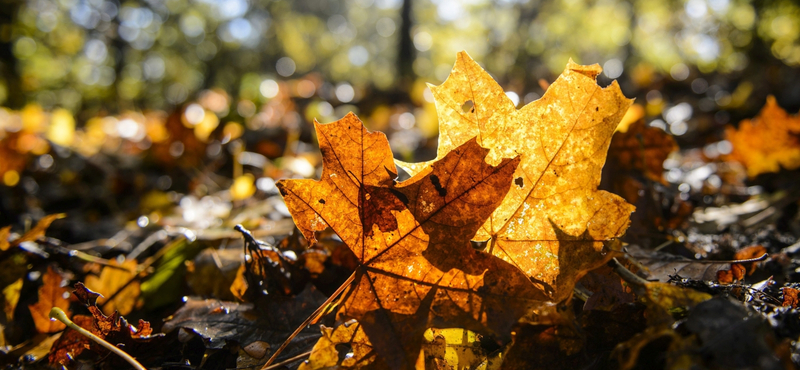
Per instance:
x=51, y=294
x=553, y=223
x=768, y=142
x=411, y=239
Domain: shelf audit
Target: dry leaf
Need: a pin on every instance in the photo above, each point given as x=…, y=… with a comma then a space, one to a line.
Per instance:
x=767, y=142
x=38, y=230
x=51, y=294
x=113, y=278
x=553, y=221
x=4, y=234
x=790, y=297
x=347, y=346
x=113, y=328
x=411, y=239
x=11, y=294
x=642, y=149
x=659, y=266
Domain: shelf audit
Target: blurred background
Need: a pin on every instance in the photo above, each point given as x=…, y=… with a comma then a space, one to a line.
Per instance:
x=182, y=83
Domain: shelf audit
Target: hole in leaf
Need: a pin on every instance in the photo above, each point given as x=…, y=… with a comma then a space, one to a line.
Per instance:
x=345, y=351
x=468, y=107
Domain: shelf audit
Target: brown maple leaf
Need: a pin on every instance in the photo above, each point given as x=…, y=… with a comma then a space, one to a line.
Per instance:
x=51, y=294
x=411, y=239
x=113, y=328
x=767, y=142
x=553, y=222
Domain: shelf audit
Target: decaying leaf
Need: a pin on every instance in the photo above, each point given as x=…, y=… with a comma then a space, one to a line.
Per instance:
x=51, y=294
x=411, y=239
x=790, y=297
x=112, y=278
x=767, y=142
x=266, y=271
x=641, y=148
x=137, y=340
x=553, y=221
x=220, y=323
x=660, y=266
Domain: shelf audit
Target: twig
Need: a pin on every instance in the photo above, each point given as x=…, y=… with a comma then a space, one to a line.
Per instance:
x=58, y=314
x=287, y=361
x=308, y=320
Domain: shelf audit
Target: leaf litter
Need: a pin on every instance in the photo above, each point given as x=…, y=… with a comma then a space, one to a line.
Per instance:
x=507, y=251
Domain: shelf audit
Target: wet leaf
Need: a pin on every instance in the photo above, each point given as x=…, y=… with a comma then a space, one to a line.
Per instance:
x=220, y=323
x=553, y=221
x=411, y=239
x=768, y=142
x=115, y=283
x=51, y=294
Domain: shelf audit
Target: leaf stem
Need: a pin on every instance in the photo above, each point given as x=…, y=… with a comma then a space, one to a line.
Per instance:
x=58, y=314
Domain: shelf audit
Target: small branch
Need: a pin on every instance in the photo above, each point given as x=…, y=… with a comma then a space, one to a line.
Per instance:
x=288, y=361
x=58, y=314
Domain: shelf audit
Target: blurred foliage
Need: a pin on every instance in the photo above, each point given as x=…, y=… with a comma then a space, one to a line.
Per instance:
x=119, y=55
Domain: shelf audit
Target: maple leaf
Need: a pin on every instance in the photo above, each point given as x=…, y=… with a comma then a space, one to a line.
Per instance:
x=768, y=142
x=51, y=294
x=411, y=239
x=553, y=222
x=137, y=341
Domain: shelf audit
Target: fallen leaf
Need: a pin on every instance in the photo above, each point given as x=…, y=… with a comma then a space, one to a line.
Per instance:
x=38, y=230
x=753, y=251
x=51, y=294
x=768, y=142
x=266, y=271
x=138, y=341
x=11, y=298
x=115, y=283
x=411, y=239
x=455, y=348
x=790, y=297
x=346, y=346
x=4, y=234
x=641, y=149
x=219, y=323
x=553, y=222
x=660, y=266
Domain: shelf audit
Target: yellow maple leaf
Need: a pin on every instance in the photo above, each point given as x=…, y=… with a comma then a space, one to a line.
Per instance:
x=767, y=142
x=553, y=222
